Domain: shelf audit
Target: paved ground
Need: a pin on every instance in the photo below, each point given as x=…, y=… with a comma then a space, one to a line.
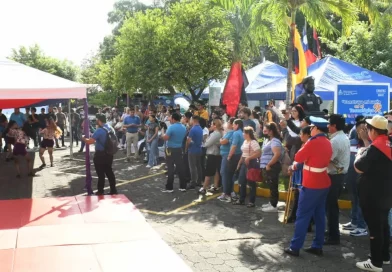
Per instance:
x=209, y=236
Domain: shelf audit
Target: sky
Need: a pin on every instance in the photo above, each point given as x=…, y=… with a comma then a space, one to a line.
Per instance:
x=64, y=29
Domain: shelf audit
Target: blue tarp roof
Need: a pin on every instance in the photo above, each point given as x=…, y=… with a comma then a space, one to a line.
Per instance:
x=263, y=74
x=328, y=73
x=269, y=80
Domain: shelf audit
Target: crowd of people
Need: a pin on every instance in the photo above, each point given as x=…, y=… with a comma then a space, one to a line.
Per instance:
x=209, y=152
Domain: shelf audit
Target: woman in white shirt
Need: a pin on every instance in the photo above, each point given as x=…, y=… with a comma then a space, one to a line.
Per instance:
x=214, y=159
x=250, y=153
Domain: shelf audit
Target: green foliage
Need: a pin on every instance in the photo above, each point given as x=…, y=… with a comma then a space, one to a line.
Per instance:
x=183, y=48
x=249, y=32
x=369, y=46
x=35, y=57
x=102, y=98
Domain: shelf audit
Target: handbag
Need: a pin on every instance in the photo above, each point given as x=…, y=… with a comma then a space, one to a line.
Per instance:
x=254, y=172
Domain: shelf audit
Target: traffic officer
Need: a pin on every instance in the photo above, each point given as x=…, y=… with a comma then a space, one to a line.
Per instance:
x=316, y=155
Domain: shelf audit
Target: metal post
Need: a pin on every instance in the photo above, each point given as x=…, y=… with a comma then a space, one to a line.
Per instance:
x=70, y=130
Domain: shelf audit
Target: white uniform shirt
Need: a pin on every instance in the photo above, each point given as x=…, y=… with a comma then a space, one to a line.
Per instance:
x=340, y=153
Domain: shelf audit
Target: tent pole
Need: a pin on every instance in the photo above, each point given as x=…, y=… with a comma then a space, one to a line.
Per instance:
x=70, y=130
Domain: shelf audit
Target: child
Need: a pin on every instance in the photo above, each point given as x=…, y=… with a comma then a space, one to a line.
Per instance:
x=21, y=141
x=9, y=140
x=49, y=134
x=296, y=171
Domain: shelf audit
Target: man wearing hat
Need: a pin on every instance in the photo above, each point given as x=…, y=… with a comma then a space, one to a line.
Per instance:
x=316, y=155
x=102, y=161
x=374, y=165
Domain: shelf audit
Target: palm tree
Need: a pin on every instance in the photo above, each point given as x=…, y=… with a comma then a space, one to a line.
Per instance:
x=316, y=12
x=243, y=36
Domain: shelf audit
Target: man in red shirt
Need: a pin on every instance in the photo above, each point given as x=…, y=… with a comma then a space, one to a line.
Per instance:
x=316, y=155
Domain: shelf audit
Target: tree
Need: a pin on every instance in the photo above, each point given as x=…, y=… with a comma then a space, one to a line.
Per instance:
x=249, y=33
x=35, y=57
x=195, y=46
x=182, y=49
x=369, y=46
x=319, y=14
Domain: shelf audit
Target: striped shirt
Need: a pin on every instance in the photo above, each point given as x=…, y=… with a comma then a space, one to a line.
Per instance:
x=340, y=160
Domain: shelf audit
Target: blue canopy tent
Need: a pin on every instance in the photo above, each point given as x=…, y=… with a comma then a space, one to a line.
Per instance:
x=328, y=73
x=263, y=74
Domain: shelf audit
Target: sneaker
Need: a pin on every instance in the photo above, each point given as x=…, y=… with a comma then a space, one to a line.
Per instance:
x=234, y=195
x=368, y=266
x=222, y=196
x=148, y=166
x=349, y=226
x=213, y=189
x=358, y=232
x=167, y=191
x=202, y=191
x=182, y=190
x=266, y=205
x=270, y=209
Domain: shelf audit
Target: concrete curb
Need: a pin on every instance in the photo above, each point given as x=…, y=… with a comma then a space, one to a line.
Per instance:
x=343, y=204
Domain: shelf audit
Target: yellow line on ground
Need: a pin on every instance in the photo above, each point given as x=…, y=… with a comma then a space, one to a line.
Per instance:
x=74, y=159
x=123, y=182
x=194, y=203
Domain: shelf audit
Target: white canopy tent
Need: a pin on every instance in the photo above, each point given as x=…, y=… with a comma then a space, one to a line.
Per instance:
x=21, y=86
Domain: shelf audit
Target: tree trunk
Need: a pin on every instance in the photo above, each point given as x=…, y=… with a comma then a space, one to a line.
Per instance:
x=196, y=96
x=290, y=59
x=171, y=90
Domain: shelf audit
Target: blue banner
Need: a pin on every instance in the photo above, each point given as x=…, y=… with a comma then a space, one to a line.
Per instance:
x=366, y=100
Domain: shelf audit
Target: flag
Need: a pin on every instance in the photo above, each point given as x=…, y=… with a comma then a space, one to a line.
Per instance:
x=316, y=45
x=234, y=89
x=309, y=56
x=301, y=69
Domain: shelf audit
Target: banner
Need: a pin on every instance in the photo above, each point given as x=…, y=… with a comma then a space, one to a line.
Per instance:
x=214, y=96
x=365, y=99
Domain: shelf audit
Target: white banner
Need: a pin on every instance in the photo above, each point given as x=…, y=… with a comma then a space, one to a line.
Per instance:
x=214, y=96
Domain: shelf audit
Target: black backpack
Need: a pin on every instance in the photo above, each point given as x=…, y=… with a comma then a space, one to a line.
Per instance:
x=111, y=144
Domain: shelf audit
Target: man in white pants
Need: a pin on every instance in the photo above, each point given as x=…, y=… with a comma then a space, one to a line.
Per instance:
x=132, y=124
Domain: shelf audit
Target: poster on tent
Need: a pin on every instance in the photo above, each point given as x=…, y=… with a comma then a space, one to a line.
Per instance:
x=214, y=96
x=365, y=99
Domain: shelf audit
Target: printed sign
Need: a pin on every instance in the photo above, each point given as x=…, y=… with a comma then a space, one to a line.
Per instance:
x=364, y=99
x=214, y=96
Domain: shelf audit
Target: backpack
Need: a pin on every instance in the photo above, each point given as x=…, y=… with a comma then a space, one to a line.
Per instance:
x=111, y=143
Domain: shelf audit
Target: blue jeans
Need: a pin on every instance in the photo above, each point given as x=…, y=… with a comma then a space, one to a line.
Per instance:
x=351, y=181
x=390, y=222
x=242, y=181
x=231, y=172
x=311, y=203
x=152, y=148
x=223, y=172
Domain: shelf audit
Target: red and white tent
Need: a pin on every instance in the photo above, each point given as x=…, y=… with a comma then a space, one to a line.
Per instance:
x=22, y=86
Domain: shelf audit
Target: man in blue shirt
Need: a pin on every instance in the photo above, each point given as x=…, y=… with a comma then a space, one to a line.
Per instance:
x=132, y=124
x=18, y=117
x=102, y=161
x=194, y=146
x=174, y=137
